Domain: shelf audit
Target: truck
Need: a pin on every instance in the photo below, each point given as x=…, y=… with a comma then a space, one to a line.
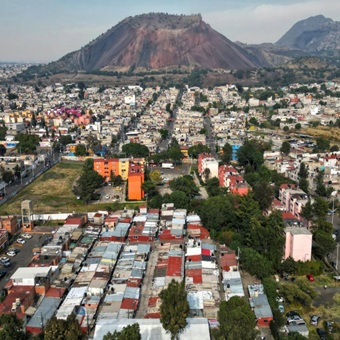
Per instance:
x=167, y=166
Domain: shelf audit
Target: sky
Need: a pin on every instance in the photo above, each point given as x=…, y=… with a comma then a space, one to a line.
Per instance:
x=46, y=30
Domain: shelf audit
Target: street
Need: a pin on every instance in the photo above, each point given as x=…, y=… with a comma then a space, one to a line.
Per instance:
x=13, y=188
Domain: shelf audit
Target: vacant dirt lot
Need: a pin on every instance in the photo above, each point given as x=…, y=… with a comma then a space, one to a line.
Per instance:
x=51, y=192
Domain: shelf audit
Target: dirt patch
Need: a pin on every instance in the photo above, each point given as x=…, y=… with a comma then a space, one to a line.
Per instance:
x=331, y=133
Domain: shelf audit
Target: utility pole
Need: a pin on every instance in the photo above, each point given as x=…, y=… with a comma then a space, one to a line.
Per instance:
x=337, y=255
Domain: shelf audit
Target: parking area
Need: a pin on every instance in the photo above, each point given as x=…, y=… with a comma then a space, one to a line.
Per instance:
x=111, y=193
x=170, y=174
x=23, y=257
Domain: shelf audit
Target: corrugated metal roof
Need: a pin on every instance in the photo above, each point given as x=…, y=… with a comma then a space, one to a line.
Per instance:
x=132, y=293
x=45, y=311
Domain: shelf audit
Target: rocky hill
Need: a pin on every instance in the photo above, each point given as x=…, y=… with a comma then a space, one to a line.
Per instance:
x=157, y=41
x=315, y=34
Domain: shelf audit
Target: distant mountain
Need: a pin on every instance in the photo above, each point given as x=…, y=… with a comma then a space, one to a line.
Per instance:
x=157, y=41
x=313, y=35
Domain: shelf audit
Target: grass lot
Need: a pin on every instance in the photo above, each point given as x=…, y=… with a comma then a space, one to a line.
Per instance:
x=326, y=304
x=331, y=133
x=52, y=193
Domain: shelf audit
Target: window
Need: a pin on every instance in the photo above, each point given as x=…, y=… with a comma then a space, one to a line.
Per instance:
x=135, y=237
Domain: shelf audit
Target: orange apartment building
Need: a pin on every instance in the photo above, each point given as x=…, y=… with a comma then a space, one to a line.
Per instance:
x=135, y=181
x=105, y=166
x=129, y=169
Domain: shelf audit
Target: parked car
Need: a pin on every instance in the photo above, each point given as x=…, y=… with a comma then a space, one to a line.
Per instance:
x=281, y=307
x=26, y=236
x=11, y=253
x=329, y=325
x=2, y=273
x=6, y=264
x=291, y=313
x=314, y=320
x=321, y=333
x=310, y=277
x=4, y=259
x=21, y=240
x=293, y=319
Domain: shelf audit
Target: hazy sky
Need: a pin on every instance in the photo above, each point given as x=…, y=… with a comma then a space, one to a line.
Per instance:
x=45, y=30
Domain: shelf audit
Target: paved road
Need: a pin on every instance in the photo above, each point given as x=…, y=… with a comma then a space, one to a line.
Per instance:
x=23, y=258
x=13, y=188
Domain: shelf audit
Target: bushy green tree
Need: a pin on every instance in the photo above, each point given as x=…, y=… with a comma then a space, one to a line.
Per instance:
x=88, y=181
x=80, y=150
x=255, y=263
x=130, y=332
x=285, y=148
x=174, y=308
x=236, y=319
x=195, y=150
x=59, y=329
x=227, y=153
x=250, y=153
x=11, y=328
x=27, y=143
x=136, y=150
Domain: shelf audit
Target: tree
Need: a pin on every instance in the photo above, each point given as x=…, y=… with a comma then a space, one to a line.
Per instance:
x=27, y=143
x=59, y=329
x=334, y=148
x=285, y=128
x=164, y=133
x=88, y=181
x=65, y=139
x=320, y=185
x=298, y=126
x=264, y=193
x=11, y=327
x=288, y=266
x=230, y=314
x=80, y=150
x=130, y=332
x=304, y=185
x=322, y=143
x=324, y=243
x=303, y=171
x=285, y=148
x=195, y=150
x=227, y=153
x=155, y=176
x=185, y=184
x=136, y=150
x=250, y=153
x=7, y=176
x=255, y=263
x=212, y=187
x=2, y=150
x=179, y=199
x=174, y=309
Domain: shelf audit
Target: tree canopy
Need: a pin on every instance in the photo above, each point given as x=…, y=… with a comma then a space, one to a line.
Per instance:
x=58, y=329
x=135, y=150
x=27, y=143
x=174, y=308
x=88, y=181
x=250, y=154
x=237, y=321
x=11, y=327
x=130, y=332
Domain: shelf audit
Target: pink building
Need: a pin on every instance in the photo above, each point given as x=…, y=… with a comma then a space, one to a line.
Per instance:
x=298, y=243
